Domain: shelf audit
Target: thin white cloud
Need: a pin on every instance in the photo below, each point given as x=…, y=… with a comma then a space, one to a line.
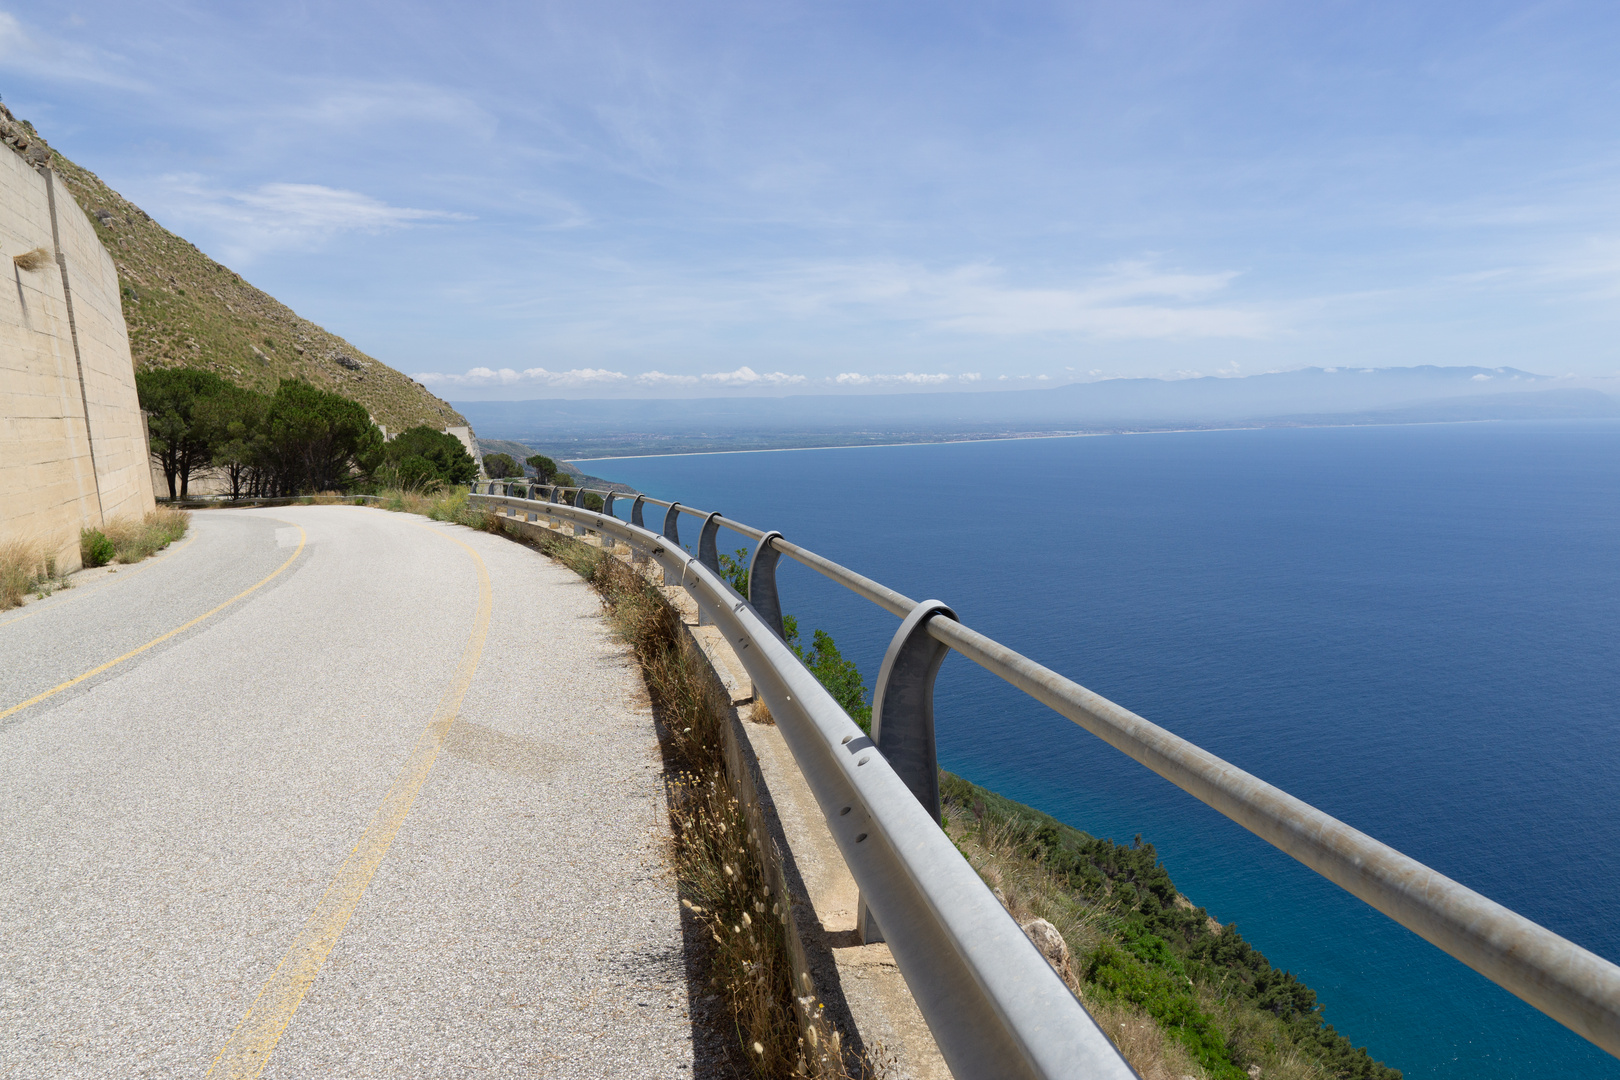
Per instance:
x=535, y=376
x=855, y=378
x=27, y=51
x=747, y=376
x=281, y=216
x=1126, y=300
x=742, y=378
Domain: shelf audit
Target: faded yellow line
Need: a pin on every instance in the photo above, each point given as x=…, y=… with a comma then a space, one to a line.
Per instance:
x=248, y=1050
x=37, y=698
x=80, y=591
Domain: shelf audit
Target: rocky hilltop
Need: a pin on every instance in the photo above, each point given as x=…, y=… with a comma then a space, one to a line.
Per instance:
x=183, y=309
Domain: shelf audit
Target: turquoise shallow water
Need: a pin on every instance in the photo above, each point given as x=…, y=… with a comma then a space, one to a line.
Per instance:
x=1416, y=629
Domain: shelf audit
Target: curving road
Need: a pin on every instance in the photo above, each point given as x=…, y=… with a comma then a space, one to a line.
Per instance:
x=337, y=793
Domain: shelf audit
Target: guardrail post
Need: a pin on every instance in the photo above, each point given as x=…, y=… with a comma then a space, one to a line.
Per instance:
x=672, y=524
x=638, y=554
x=762, y=584
x=579, y=504
x=709, y=555
x=609, y=544
x=903, y=718
x=708, y=545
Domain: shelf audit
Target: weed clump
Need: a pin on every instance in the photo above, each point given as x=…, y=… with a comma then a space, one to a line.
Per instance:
x=134, y=539
x=95, y=549
x=25, y=567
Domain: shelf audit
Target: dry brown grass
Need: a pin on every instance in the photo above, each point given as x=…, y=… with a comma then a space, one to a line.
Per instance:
x=1144, y=1044
x=29, y=261
x=720, y=862
x=137, y=538
x=26, y=567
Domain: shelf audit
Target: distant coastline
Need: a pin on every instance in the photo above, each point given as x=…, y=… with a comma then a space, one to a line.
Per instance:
x=1031, y=438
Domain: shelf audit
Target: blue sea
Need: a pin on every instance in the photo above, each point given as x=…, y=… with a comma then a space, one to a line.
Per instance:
x=1416, y=629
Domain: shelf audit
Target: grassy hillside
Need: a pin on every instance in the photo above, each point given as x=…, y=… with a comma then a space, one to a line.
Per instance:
x=1182, y=995
x=184, y=309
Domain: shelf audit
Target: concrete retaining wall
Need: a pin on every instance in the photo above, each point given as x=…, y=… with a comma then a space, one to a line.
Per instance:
x=73, y=447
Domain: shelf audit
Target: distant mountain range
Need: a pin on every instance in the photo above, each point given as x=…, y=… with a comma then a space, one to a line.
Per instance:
x=1310, y=396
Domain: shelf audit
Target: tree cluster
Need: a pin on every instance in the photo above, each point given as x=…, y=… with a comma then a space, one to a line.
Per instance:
x=300, y=439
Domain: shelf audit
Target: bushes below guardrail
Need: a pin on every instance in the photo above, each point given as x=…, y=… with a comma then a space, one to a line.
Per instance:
x=1143, y=954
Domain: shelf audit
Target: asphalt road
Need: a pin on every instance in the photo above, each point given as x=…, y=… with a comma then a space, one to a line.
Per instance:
x=386, y=801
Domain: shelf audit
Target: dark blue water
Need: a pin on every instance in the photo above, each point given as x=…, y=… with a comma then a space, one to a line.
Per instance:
x=1416, y=629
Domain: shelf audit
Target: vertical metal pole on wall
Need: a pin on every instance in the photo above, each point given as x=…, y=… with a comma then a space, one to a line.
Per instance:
x=762, y=583
x=903, y=718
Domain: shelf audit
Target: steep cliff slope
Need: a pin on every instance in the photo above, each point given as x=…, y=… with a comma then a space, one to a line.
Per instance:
x=185, y=309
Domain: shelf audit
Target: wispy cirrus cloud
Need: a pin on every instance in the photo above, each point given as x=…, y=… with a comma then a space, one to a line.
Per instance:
x=283, y=216
x=29, y=51
x=742, y=378
x=1125, y=300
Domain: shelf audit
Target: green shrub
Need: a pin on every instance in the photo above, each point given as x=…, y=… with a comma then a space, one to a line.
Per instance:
x=95, y=549
x=438, y=457
x=734, y=568
x=841, y=677
x=544, y=468
x=501, y=466
x=417, y=473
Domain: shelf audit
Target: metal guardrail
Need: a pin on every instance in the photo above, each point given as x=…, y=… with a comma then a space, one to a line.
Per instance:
x=993, y=1004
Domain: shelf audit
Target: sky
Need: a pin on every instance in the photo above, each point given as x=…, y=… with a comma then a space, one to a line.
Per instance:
x=540, y=199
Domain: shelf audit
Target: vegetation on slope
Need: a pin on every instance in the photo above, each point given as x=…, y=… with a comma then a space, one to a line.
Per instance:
x=1144, y=953
x=183, y=309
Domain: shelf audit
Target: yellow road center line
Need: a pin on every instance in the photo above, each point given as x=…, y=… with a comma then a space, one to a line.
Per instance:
x=248, y=1050
x=37, y=698
x=91, y=590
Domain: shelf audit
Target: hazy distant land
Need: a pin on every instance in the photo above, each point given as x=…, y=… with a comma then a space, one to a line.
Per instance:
x=1312, y=397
